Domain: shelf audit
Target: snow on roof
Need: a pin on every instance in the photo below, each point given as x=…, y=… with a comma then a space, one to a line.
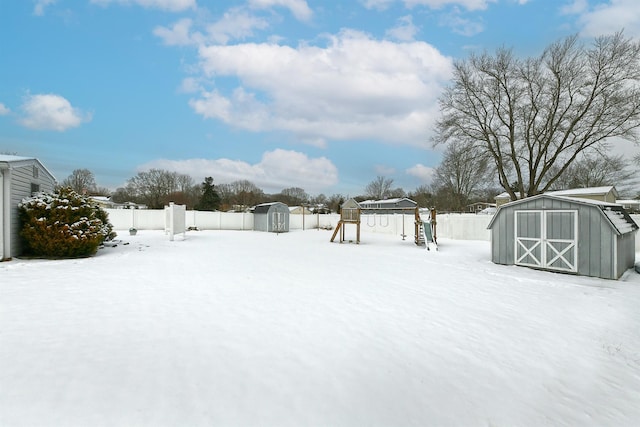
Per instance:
x=619, y=221
x=575, y=200
x=263, y=208
x=583, y=191
x=582, y=201
x=10, y=158
x=269, y=204
x=394, y=200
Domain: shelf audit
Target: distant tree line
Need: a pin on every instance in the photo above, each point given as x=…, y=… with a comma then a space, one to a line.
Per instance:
x=155, y=188
x=465, y=175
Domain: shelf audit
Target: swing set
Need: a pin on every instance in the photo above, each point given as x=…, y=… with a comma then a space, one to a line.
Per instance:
x=351, y=212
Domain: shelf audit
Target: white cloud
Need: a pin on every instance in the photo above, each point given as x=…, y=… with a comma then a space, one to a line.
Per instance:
x=384, y=170
x=51, y=112
x=574, y=7
x=178, y=34
x=356, y=87
x=4, y=110
x=38, y=9
x=235, y=24
x=422, y=172
x=168, y=5
x=404, y=31
x=460, y=25
x=610, y=17
x=377, y=4
x=299, y=8
x=276, y=170
x=190, y=85
x=433, y=4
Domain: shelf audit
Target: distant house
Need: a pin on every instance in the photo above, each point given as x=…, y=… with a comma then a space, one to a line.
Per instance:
x=479, y=206
x=299, y=210
x=20, y=177
x=607, y=194
x=106, y=203
x=103, y=202
x=502, y=198
x=632, y=206
x=397, y=205
x=320, y=209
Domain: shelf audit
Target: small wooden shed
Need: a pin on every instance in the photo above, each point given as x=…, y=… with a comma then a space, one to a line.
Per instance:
x=559, y=233
x=20, y=177
x=271, y=217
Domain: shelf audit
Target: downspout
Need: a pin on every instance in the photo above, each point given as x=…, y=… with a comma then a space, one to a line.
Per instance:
x=5, y=215
x=1, y=214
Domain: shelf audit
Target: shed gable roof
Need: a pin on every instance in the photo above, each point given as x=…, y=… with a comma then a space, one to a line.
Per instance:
x=613, y=214
x=264, y=207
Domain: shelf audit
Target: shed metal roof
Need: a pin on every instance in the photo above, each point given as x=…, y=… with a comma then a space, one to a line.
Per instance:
x=264, y=207
x=614, y=214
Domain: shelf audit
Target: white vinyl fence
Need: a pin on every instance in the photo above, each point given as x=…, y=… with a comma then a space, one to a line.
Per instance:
x=451, y=226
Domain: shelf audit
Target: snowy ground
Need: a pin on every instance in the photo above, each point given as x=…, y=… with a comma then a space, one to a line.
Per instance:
x=245, y=328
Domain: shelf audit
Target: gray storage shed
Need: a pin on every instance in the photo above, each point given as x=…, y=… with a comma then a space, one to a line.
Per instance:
x=271, y=217
x=558, y=233
x=20, y=177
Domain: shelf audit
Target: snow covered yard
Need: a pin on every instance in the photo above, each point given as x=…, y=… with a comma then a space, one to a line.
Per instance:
x=233, y=328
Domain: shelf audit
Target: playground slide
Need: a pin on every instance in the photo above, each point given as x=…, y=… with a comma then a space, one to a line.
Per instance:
x=428, y=235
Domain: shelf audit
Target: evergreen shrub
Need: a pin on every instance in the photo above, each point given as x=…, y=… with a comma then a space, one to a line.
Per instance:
x=62, y=224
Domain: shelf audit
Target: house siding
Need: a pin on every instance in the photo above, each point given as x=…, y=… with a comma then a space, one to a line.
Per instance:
x=21, y=179
x=626, y=252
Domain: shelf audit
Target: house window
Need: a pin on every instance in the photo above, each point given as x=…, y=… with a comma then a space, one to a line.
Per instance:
x=35, y=188
x=36, y=172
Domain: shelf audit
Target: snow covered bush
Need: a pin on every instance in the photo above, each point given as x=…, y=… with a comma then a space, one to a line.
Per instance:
x=62, y=224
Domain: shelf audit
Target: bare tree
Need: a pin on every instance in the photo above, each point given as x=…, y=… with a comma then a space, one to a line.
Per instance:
x=598, y=170
x=464, y=171
x=379, y=188
x=82, y=181
x=535, y=114
x=156, y=187
x=293, y=196
x=423, y=196
x=102, y=191
x=335, y=202
x=239, y=193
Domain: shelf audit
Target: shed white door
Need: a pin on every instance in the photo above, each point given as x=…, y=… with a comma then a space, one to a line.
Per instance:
x=278, y=221
x=547, y=239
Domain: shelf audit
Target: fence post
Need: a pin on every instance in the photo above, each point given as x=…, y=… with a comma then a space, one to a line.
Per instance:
x=171, y=226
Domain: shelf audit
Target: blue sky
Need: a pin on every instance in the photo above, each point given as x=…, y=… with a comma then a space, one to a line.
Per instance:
x=319, y=94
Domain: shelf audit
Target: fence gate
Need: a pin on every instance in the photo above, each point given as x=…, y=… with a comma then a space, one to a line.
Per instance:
x=547, y=239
